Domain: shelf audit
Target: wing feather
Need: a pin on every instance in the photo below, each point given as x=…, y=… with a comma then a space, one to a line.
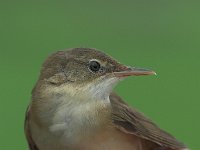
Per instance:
x=131, y=121
x=31, y=143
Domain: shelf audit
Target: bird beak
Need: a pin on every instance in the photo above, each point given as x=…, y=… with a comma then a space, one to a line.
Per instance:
x=132, y=71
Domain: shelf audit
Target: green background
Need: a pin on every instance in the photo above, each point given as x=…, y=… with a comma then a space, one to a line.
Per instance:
x=157, y=34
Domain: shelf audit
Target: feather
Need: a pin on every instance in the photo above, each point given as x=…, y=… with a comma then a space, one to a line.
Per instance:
x=31, y=143
x=130, y=121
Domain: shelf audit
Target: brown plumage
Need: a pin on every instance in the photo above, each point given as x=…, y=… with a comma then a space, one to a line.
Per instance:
x=111, y=124
x=134, y=122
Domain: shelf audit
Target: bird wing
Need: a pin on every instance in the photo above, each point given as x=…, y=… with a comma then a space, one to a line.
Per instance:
x=133, y=122
x=31, y=143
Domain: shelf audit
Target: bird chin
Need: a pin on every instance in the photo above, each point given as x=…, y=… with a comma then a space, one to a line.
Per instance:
x=98, y=90
x=102, y=88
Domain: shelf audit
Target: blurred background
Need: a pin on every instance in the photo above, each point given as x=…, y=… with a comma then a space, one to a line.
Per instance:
x=160, y=35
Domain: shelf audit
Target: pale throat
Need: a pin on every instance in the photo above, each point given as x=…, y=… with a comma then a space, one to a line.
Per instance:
x=82, y=108
x=96, y=90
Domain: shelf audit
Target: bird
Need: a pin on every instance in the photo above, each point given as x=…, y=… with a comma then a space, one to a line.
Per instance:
x=73, y=107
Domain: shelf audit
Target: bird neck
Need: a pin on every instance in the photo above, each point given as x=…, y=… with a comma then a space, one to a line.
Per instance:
x=63, y=111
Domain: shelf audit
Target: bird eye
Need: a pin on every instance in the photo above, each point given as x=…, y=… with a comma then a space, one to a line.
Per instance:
x=94, y=66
